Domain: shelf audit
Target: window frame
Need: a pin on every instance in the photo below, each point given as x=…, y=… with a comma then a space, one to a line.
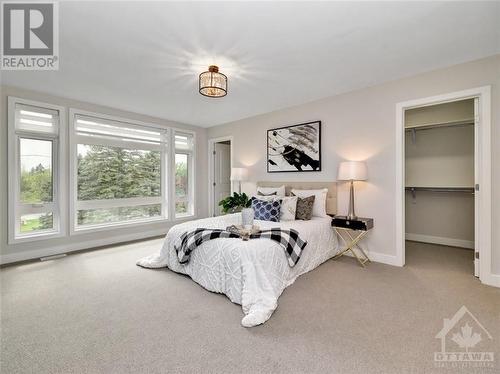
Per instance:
x=166, y=178
x=191, y=175
x=15, y=208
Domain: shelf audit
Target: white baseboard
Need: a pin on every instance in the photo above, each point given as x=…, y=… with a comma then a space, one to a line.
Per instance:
x=383, y=258
x=379, y=257
x=440, y=240
x=491, y=280
x=67, y=248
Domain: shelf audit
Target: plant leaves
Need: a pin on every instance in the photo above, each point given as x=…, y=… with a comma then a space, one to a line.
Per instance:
x=236, y=202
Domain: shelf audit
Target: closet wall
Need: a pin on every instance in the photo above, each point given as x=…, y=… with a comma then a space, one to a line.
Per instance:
x=440, y=157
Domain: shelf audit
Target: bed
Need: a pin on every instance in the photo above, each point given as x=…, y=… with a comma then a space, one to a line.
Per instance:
x=251, y=273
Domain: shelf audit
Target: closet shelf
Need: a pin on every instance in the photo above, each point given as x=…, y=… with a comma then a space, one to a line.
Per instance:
x=441, y=189
x=431, y=126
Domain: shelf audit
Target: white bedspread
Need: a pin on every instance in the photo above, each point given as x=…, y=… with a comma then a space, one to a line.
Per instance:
x=252, y=273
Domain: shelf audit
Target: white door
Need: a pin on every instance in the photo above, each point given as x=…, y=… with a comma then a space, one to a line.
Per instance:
x=477, y=187
x=222, y=174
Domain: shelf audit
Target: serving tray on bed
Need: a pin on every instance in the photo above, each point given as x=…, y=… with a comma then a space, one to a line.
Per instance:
x=242, y=231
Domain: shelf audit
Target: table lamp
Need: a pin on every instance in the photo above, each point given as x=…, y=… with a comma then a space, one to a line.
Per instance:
x=239, y=174
x=352, y=171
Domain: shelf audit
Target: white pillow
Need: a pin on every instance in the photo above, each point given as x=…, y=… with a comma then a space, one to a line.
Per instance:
x=280, y=191
x=319, y=207
x=288, y=208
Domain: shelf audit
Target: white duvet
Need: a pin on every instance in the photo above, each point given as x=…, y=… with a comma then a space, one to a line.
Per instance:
x=252, y=273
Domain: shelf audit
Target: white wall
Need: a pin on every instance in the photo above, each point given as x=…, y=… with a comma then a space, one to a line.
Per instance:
x=441, y=218
x=360, y=125
x=22, y=251
x=441, y=157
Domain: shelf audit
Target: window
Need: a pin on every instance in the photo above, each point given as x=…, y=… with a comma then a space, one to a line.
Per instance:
x=184, y=201
x=34, y=140
x=119, y=172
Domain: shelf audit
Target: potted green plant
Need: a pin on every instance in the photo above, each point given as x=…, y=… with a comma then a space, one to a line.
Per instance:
x=239, y=202
x=235, y=203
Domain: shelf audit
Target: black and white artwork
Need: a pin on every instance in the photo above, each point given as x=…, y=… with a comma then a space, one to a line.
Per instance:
x=294, y=148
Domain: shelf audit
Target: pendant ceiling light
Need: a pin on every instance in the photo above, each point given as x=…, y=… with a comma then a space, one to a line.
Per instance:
x=213, y=83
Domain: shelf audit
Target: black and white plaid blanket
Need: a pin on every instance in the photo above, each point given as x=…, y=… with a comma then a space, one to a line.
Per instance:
x=288, y=239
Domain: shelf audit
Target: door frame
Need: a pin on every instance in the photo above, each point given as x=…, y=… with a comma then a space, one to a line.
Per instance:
x=483, y=218
x=211, y=169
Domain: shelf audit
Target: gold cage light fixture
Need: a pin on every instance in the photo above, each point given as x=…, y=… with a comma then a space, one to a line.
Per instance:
x=213, y=83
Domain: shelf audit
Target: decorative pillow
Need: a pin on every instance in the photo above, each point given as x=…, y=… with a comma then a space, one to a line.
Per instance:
x=288, y=208
x=267, y=198
x=266, y=210
x=319, y=208
x=260, y=193
x=304, y=208
x=280, y=191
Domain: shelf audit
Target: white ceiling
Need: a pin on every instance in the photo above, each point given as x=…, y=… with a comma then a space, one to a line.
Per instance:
x=145, y=57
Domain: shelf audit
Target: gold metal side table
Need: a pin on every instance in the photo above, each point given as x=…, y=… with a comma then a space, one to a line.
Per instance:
x=351, y=232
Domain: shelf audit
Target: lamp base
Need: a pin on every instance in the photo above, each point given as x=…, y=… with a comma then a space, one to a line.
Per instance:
x=351, y=214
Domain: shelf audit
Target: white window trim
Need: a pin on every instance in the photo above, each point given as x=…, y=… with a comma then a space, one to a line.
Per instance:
x=59, y=173
x=117, y=143
x=191, y=175
x=167, y=198
x=116, y=203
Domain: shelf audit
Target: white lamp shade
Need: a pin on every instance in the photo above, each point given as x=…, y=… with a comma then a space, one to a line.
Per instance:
x=352, y=170
x=239, y=174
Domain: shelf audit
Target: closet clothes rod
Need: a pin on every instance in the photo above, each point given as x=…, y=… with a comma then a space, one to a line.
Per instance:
x=431, y=126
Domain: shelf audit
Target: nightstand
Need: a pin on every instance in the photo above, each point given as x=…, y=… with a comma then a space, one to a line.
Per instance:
x=351, y=232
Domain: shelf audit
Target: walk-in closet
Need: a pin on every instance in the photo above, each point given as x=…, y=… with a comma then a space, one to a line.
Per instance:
x=440, y=182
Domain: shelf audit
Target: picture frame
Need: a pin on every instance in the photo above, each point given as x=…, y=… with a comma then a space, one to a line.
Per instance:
x=294, y=148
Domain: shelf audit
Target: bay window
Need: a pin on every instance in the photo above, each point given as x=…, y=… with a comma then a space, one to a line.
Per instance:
x=119, y=171
x=35, y=134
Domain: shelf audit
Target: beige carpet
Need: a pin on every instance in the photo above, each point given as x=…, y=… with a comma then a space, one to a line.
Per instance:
x=97, y=312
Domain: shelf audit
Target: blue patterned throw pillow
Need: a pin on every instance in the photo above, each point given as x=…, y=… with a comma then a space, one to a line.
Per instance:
x=266, y=210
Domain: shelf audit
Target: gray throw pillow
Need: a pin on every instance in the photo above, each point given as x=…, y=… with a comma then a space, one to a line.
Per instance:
x=304, y=208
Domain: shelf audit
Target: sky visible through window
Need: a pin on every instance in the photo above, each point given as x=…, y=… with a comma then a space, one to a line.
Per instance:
x=35, y=152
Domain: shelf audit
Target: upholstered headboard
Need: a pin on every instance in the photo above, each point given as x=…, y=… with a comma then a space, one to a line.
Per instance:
x=331, y=197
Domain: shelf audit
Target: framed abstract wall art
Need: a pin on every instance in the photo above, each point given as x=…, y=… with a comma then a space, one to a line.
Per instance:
x=294, y=148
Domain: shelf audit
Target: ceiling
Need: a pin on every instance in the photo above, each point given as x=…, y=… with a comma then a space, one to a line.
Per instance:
x=145, y=57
